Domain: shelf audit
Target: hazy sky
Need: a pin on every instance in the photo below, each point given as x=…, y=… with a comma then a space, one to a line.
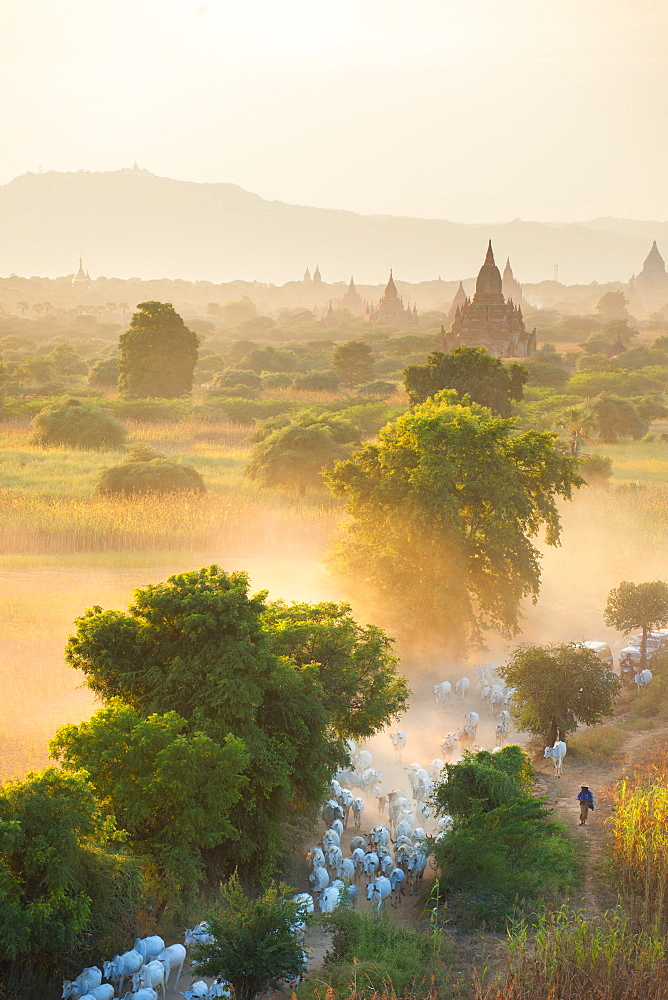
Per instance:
x=473, y=110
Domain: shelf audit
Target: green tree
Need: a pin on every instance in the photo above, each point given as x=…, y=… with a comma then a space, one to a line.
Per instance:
x=158, y=353
x=638, y=605
x=612, y=305
x=353, y=362
x=358, y=673
x=296, y=456
x=254, y=946
x=443, y=507
x=147, y=471
x=617, y=418
x=198, y=642
x=104, y=374
x=471, y=372
x=171, y=789
x=65, y=889
x=557, y=687
x=76, y=424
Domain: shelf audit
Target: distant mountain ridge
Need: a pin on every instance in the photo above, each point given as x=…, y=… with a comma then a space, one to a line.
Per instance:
x=131, y=223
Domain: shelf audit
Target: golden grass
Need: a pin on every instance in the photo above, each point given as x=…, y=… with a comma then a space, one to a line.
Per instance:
x=31, y=524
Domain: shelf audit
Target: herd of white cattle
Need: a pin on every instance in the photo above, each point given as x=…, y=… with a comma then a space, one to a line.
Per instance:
x=146, y=968
x=387, y=862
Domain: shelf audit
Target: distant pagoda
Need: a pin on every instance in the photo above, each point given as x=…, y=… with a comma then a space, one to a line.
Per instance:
x=81, y=279
x=391, y=310
x=512, y=290
x=488, y=320
x=352, y=300
x=650, y=287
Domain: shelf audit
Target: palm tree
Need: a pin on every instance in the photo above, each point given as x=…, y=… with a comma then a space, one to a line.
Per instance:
x=23, y=307
x=579, y=422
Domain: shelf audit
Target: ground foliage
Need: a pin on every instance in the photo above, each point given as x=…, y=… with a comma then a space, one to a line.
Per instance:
x=148, y=471
x=504, y=851
x=76, y=424
x=254, y=947
x=443, y=508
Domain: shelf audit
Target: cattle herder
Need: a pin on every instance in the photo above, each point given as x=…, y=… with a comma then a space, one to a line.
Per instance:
x=586, y=800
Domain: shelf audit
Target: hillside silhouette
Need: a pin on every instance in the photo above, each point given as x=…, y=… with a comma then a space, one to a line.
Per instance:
x=130, y=223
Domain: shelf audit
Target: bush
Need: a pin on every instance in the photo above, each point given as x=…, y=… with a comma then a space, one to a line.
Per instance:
x=617, y=418
x=378, y=388
x=595, y=468
x=243, y=411
x=494, y=864
x=104, y=374
x=236, y=377
x=276, y=380
x=153, y=410
x=76, y=424
x=317, y=382
x=368, y=955
x=147, y=471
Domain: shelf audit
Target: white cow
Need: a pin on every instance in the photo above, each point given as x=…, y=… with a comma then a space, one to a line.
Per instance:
x=152, y=975
x=146, y=993
x=329, y=898
x=358, y=809
x=461, y=688
x=443, y=692
x=448, y=744
x=121, y=967
x=345, y=800
x=363, y=759
x=198, y=935
x=173, y=957
x=472, y=719
x=397, y=879
x=435, y=768
x=371, y=863
x=378, y=891
x=85, y=981
x=149, y=947
x=398, y=742
x=556, y=754
x=643, y=678
x=104, y=992
x=500, y=733
x=197, y=991
x=305, y=901
x=319, y=879
x=380, y=836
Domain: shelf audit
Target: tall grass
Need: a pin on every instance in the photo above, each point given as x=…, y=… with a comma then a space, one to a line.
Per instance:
x=32, y=524
x=568, y=956
x=640, y=842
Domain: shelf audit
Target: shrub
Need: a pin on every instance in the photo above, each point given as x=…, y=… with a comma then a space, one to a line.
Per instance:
x=153, y=410
x=236, y=377
x=617, y=418
x=276, y=380
x=243, y=411
x=377, y=388
x=368, y=954
x=325, y=381
x=496, y=863
x=76, y=424
x=595, y=468
x=147, y=471
x=104, y=374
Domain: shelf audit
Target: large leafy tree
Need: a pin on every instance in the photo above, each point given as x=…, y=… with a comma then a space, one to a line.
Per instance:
x=357, y=670
x=158, y=353
x=170, y=789
x=638, y=605
x=557, y=687
x=471, y=372
x=353, y=362
x=65, y=888
x=198, y=643
x=443, y=509
x=254, y=946
x=617, y=418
